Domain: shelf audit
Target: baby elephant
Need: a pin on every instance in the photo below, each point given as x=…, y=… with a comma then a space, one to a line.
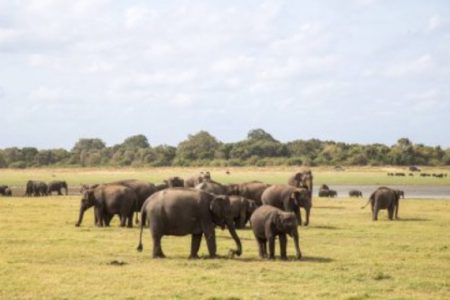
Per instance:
x=267, y=223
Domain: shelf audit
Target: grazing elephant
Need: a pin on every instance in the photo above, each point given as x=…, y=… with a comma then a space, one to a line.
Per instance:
x=109, y=200
x=302, y=179
x=241, y=210
x=355, y=193
x=5, y=190
x=36, y=188
x=288, y=198
x=218, y=188
x=253, y=190
x=57, y=186
x=174, y=182
x=195, y=180
x=269, y=222
x=181, y=211
x=384, y=198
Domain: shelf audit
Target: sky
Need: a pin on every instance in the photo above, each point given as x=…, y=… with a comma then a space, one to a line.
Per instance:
x=357, y=71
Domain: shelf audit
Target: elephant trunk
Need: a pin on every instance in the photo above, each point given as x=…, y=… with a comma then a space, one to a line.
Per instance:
x=232, y=230
x=80, y=218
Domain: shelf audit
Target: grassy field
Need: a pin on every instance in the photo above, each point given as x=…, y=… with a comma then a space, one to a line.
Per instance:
x=346, y=255
x=362, y=175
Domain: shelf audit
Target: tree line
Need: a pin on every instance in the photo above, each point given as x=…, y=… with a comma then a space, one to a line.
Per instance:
x=202, y=149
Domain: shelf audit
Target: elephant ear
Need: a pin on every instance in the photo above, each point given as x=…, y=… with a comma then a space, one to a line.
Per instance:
x=277, y=221
x=217, y=207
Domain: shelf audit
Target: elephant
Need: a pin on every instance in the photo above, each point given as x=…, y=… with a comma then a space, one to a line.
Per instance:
x=218, y=188
x=5, y=190
x=36, y=188
x=269, y=222
x=142, y=189
x=384, y=198
x=174, y=182
x=241, y=210
x=183, y=211
x=253, y=190
x=325, y=191
x=288, y=198
x=109, y=200
x=195, y=180
x=355, y=193
x=56, y=186
x=85, y=187
x=401, y=194
x=302, y=179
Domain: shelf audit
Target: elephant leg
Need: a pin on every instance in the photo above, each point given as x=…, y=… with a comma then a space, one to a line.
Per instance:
x=271, y=247
x=157, y=250
x=130, y=219
x=375, y=212
x=300, y=217
x=396, y=210
x=59, y=192
x=210, y=237
x=262, y=247
x=195, y=245
x=391, y=212
x=283, y=244
x=297, y=245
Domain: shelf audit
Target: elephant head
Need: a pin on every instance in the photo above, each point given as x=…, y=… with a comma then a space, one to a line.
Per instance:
x=220, y=209
x=232, y=189
x=302, y=198
x=86, y=202
x=285, y=222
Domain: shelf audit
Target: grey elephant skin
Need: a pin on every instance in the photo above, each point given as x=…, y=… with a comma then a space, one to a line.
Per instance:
x=269, y=222
x=355, y=193
x=57, y=186
x=5, y=190
x=218, y=188
x=241, y=210
x=36, y=188
x=253, y=190
x=197, y=179
x=288, y=198
x=384, y=198
x=108, y=201
x=183, y=211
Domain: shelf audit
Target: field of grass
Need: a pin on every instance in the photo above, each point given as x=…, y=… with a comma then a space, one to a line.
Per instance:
x=346, y=255
x=362, y=175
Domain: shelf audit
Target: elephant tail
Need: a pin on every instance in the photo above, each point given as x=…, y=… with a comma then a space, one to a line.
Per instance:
x=140, y=247
x=364, y=206
x=368, y=201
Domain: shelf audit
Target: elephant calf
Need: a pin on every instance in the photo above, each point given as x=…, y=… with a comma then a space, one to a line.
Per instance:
x=269, y=222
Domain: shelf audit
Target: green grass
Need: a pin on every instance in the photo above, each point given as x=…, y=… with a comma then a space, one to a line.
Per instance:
x=346, y=256
x=362, y=175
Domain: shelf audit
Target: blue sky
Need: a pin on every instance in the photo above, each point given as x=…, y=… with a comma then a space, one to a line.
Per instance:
x=354, y=71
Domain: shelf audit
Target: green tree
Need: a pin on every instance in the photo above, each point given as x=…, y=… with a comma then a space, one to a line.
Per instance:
x=200, y=146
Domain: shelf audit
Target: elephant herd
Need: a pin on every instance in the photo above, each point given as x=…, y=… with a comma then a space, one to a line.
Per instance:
x=39, y=188
x=197, y=205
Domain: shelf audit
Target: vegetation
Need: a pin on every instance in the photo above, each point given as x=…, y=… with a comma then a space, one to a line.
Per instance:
x=203, y=149
x=346, y=256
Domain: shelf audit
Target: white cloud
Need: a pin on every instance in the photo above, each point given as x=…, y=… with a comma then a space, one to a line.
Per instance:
x=434, y=23
x=419, y=66
x=46, y=94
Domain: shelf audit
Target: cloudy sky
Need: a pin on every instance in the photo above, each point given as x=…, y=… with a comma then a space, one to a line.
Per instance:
x=349, y=70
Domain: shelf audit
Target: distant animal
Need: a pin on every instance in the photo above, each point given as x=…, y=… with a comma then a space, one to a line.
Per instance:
x=183, y=211
x=5, y=190
x=109, y=200
x=390, y=174
x=355, y=193
x=414, y=169
x=399, y=174
x=411, y=174
x=384, y=198
x=174, y=181
x=288, y=198
x=57, y=186
x=325, y=191
x=36, y=188
x=268, y=222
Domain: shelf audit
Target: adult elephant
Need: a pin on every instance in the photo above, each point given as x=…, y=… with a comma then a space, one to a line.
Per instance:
x=355, y=193
x=57, y=186
x=142, y=189
x=218, y=188
x=174, y=181
x=241, y=210
x=36, y=188
x=288, y=198
x=384, y=198
x=5, y=190
x=181, y=211
x=253, y=190
x=108, y=201
x=195, y=180
x=302, y=179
